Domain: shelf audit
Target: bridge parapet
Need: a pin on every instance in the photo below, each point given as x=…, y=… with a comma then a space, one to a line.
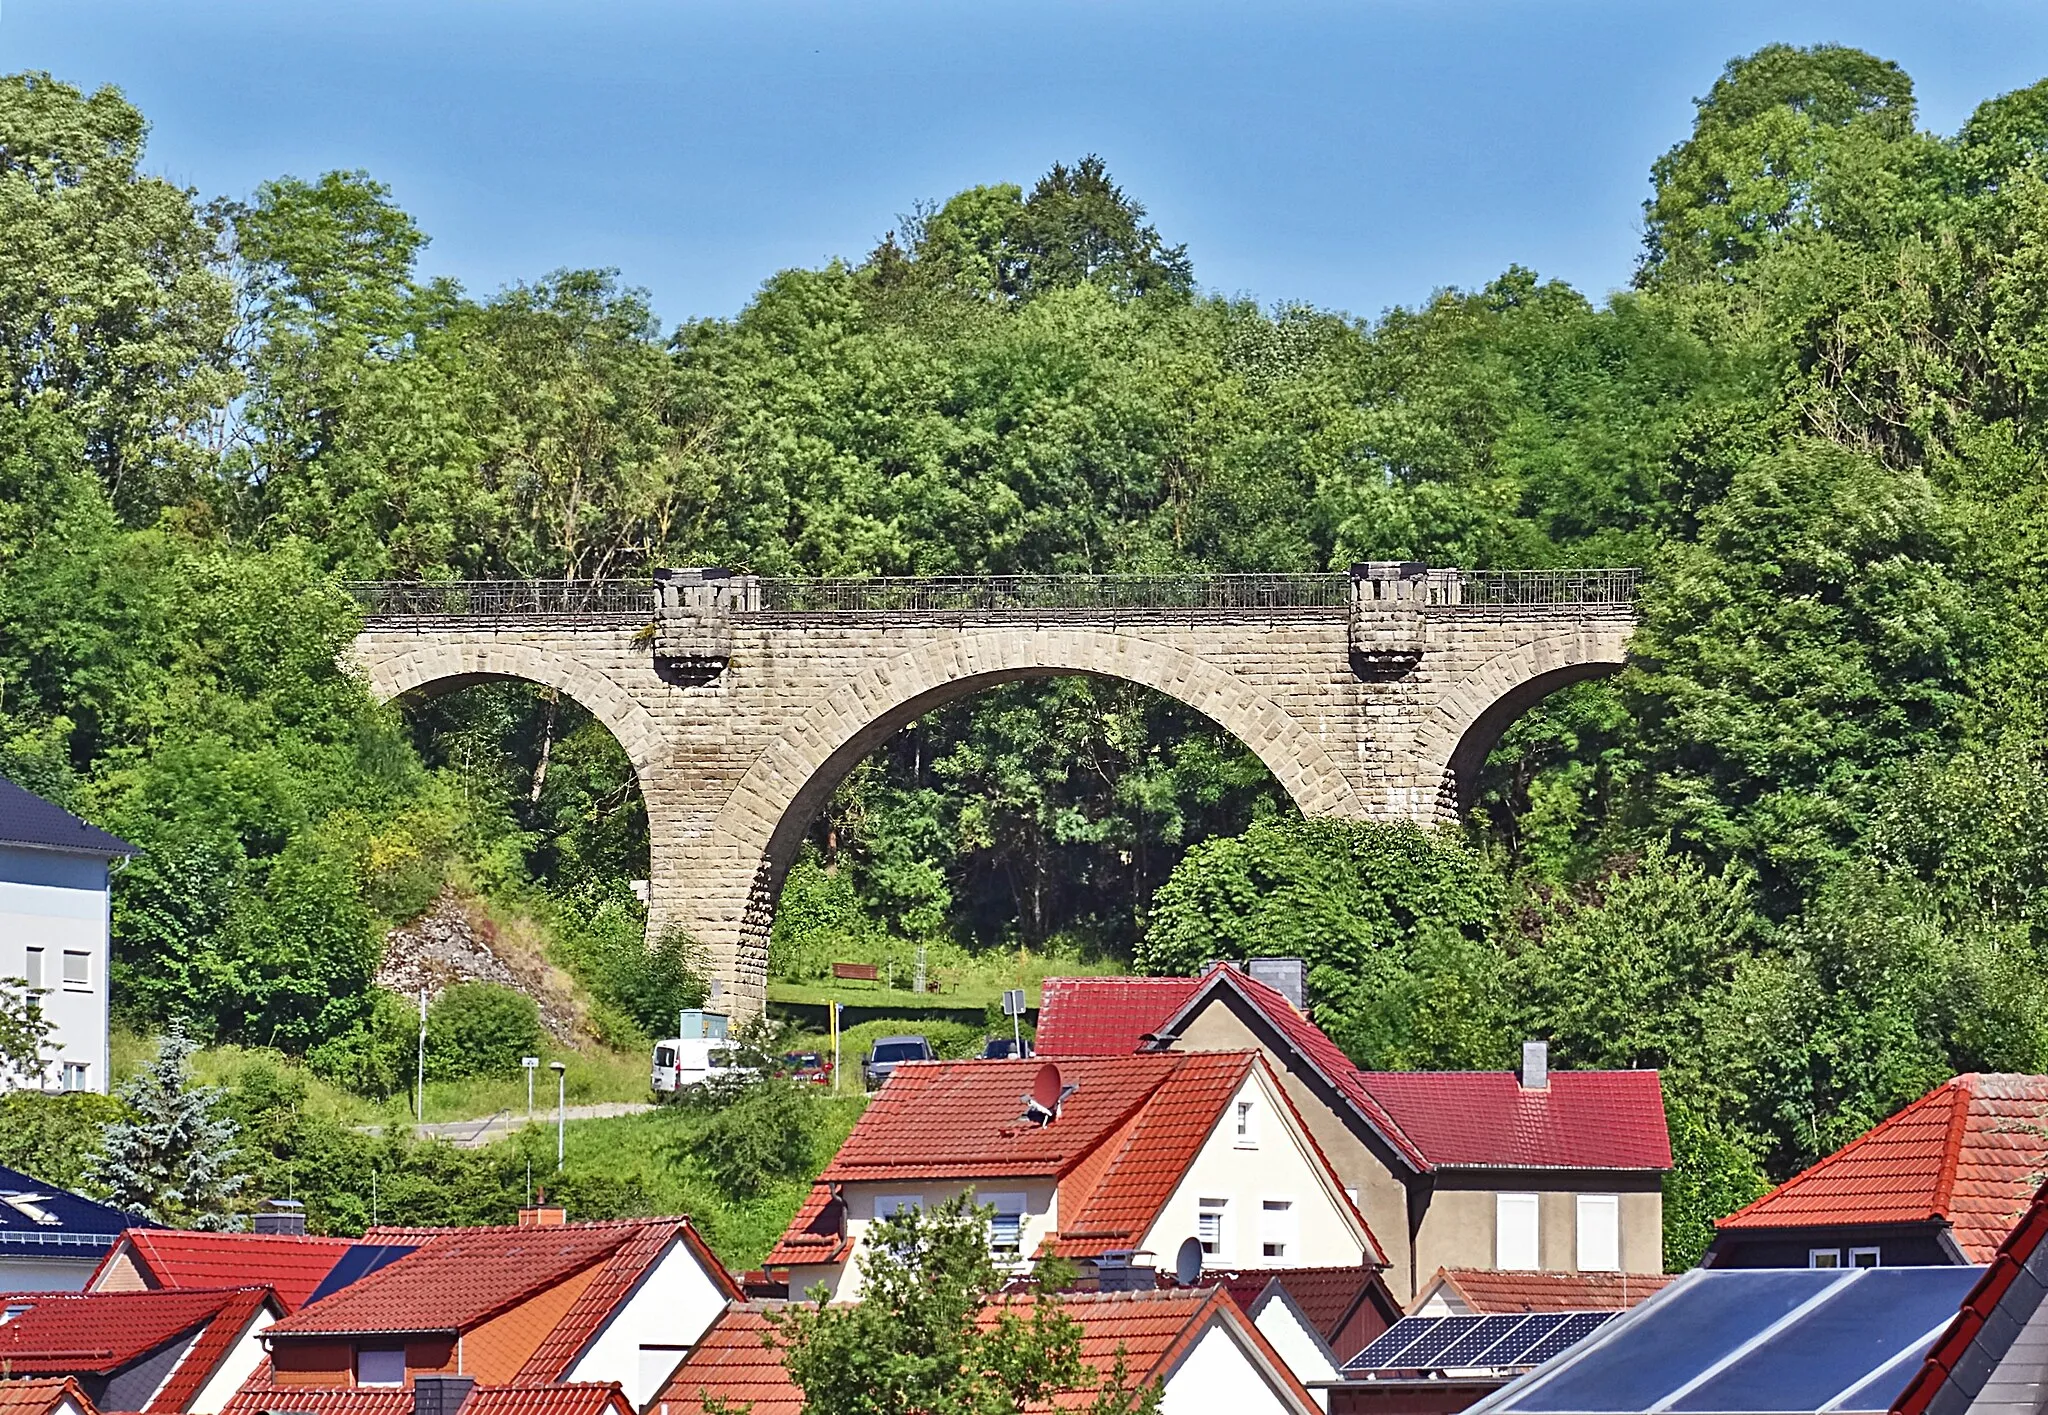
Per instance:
x=1369, y=587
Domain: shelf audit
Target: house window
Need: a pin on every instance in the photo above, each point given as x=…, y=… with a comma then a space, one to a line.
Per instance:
x=75, y=1076
x=1823, y=1257
x=1276, y=1227
x=1863, y=1257
x=1005, y=1225
x=1599, y=1233
x=1515, y=1247
x=890, y=1205
x=1209, y=1226
x=77, y=970
x=380, y=1366
x=1247, y=1125
x=32, y=970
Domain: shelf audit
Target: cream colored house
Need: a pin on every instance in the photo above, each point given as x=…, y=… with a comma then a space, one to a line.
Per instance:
x=1198, y=1158
x=1528, y=1170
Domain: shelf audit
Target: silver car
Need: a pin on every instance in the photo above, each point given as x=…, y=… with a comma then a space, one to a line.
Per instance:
x=887, y=1052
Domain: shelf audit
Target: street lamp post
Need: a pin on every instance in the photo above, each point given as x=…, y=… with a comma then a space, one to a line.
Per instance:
x=561, y=1110
x=532, y=1064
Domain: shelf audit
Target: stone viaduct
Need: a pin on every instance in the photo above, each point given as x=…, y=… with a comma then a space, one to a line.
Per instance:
x=744, y=701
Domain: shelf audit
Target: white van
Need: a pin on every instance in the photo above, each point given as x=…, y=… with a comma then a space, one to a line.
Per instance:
x=682, y=1062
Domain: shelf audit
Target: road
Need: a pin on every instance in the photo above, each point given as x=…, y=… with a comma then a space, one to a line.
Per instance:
x=475, y=1134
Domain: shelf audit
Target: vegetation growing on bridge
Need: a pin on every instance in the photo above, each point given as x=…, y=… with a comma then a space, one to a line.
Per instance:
x=1793, y=857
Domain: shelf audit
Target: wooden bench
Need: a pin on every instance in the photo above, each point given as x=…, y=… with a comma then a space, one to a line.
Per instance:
x=857, y=972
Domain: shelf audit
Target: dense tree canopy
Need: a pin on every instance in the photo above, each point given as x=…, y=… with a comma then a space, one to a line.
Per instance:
x=1793, y=856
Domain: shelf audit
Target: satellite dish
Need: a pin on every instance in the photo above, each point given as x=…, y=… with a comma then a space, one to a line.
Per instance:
x=1187, y=1264
x=1045, y=1088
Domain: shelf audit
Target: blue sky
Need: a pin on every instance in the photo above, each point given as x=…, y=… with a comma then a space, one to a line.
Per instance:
x=1350, y=155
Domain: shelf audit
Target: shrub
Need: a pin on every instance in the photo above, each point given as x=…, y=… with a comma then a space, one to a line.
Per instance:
x=375, y=1057
x=481, y=1029
x=765, y=1133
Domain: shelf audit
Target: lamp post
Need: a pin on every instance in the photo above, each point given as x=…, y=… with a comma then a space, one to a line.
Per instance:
x=532, y=1064
x=561, y=1111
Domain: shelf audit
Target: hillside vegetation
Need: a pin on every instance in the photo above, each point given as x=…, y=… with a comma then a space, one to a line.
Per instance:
x=1793, y=856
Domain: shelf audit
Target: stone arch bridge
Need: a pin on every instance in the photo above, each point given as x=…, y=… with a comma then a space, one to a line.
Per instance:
x=743, y=701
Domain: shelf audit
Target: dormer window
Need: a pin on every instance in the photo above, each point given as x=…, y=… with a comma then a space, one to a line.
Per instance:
x=380, y=1366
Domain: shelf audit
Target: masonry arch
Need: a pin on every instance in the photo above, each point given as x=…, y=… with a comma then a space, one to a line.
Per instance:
x=1467, y=722
x=782, y=792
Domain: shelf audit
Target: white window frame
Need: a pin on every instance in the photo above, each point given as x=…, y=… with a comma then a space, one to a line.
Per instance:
x=82, y=983
x=77, y=1076
x=1815, y=1255
x=1279, y=1227
x=1245, y=1119
x=1009, y=1208
x=1604, y=1231
x=1876, y=1256
x=1510, y=1244
x=1213, y=1215
x=34, y=973
x=363, y=1353
x=889, y=1205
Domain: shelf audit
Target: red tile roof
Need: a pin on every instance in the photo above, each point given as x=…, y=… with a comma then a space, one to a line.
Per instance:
x=98, y=1333
x=1487, y=1292
x=1970, y=1350
x=1970, y=1151
x=1125, y=1136
x=1488, y=1120
x=1155, y=1330
x=575, y=1398
x=1105, y=1016
x=1431, y=1119
x=615, y=1282
x=220, y=1337
x=42, y=1396
x=462, y=1277
x=1328, y=1297
x=291, y=1266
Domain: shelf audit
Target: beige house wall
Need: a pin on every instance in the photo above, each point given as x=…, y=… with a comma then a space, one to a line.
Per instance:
x=1458, y=1227
x=1041, y=1220
x=1380, y=1194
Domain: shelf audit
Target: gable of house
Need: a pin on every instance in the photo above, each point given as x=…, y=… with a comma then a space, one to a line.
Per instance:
x=1961, y=1163
x=161, y=1353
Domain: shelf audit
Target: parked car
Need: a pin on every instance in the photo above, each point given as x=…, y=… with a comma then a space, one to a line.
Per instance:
x=810, y=1066
x=888, y=1053
x=1004, y=1048
x=683, y=1062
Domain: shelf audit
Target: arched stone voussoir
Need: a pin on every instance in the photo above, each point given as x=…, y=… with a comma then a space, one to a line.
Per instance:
x=413, y=667
x=794, y=776
x=1472, y=712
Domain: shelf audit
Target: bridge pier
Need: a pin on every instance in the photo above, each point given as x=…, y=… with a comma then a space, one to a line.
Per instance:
x=743, y=702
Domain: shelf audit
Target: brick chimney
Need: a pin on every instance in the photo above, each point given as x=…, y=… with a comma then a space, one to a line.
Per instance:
x=543, y=1216
x=440, y=1395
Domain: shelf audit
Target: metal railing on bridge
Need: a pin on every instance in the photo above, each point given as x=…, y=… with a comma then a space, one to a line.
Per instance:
x=1449, y=589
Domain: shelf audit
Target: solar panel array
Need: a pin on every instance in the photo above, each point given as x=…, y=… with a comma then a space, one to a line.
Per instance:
x=1494, y=1343
x=1764, y=1339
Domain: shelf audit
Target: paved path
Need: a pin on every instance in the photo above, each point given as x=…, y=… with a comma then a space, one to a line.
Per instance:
x=475, y=1134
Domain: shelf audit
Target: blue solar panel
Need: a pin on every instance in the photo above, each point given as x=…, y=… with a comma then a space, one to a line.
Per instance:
x=1574, y=1329
x=1684, y=1331
x=357, y=1263
x=1432, y=1345
x=1824, y=1352
x=1391, y=1342
x=1472, y=1346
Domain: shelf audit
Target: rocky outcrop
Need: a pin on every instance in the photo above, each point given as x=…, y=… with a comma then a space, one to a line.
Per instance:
x=455, y=943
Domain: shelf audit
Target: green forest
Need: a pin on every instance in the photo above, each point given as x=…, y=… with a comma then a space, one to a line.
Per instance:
x=1792, y=856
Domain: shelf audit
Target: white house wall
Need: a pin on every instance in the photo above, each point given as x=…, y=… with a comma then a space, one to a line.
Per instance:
x=58, y=902
x=1041, y=1220
x=1280, y=1167
x=1218, y=1378
x=674, y=1304
x=240, y=1363
x=1300, y=1348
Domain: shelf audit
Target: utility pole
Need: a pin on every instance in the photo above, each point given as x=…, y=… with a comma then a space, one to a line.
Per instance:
x=561, y=1111
x=419, y=1104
